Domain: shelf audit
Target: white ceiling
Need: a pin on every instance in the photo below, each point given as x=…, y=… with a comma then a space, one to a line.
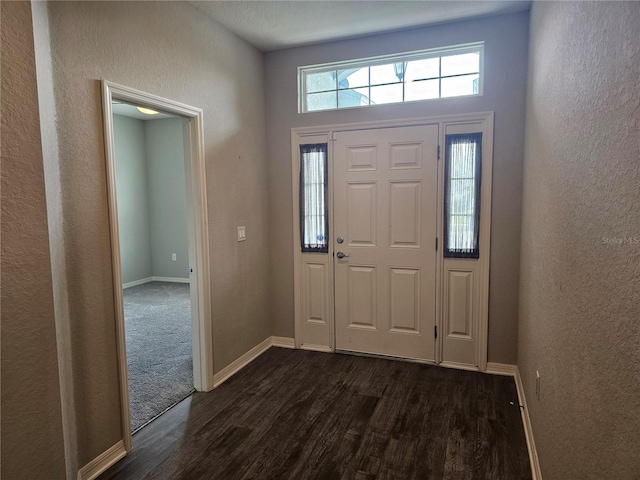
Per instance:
x=275, y=24
x=132, y=111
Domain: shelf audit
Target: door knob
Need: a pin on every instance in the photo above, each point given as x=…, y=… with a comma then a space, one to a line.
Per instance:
x=341, y=255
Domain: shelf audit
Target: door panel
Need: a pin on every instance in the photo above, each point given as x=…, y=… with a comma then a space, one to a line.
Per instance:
x=405, y=300
x=362, y=295
x=385, y=207
x=459, y=313
x=315, y=301
x=362, y=157
x=361, y=214
x=405, y=218
x=460, y=304
x=405, y=155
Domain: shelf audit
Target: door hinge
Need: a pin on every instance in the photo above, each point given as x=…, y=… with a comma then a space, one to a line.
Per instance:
x=436, y=244
x=333, y=136
x=438, y=152
x=435, y=331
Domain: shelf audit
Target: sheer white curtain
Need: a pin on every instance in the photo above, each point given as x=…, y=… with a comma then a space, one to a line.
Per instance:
x=314, y=226
x=463, y=156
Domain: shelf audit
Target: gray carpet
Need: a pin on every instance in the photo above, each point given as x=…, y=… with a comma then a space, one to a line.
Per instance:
x=159, y=356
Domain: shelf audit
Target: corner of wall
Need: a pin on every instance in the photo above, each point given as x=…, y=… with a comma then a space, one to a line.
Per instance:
x=32, y=419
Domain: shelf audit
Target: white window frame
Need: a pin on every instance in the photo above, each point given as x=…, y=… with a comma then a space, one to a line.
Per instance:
x=303, y=71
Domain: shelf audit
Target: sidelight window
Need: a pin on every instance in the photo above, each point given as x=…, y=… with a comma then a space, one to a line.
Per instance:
x=314, y=218
x=463, y=162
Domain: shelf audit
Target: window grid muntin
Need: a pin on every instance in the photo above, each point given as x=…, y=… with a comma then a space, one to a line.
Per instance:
x=404, y=58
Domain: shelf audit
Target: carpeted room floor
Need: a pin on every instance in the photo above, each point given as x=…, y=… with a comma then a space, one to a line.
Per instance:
x=159, y=355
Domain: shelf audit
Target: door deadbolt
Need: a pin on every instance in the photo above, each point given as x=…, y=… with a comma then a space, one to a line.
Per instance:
x=340, y=240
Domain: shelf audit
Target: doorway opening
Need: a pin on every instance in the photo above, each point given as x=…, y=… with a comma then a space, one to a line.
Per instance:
x=154, y=258
x=157, y=205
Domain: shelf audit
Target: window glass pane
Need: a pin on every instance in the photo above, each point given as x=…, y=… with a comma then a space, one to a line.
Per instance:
x=405, y=77
x=353, y=98
x=419, y=69
x=462, y=166
x=386, y=73
x=421, y=90
x=318, y=82
x=459, y=64
x=321, y=101
x=462, y=195
x=461, y=231
x=313, y=198
x=458, y=86
x=386, y=94
x=353, y=77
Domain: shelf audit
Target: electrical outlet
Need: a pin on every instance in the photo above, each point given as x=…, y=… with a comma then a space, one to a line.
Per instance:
x=174, y=257
x=537, y=385
x=242, y=236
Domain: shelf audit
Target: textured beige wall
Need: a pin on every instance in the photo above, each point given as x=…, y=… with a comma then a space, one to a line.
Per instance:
x=32, y=440
x=505, y=40
x=172, y=50
x=580, y=301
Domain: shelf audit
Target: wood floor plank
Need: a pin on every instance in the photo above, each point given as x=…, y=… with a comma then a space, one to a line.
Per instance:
x=323, y=435
x=462, y=430
x=437, y=395
x=289, y=450
x=336, y=457
x=295, y=414
x=260, y=409
x=271, y=432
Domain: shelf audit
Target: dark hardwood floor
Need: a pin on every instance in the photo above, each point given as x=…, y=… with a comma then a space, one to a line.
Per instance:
x=297, y=414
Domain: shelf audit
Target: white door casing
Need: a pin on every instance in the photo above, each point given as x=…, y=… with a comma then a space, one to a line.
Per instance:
x=461, y=285
x=385, y=207
x=197, y=224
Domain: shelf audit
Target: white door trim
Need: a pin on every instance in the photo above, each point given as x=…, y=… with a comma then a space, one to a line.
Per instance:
x=313, y=134
x=197, y=222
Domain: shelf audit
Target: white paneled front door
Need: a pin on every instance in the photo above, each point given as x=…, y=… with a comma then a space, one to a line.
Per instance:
x=385, y=212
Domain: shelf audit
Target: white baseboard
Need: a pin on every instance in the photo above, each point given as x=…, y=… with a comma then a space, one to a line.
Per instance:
x=502, y=369
x=142, y=281
x=513, y=371
x=170, y=279
x=135, y=283
x=283, y=342
x=241, y=362
x=536, y=473
x=102, y=462
x=105, y=460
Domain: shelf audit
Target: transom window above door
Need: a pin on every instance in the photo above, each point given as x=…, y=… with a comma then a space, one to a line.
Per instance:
x=454, y=71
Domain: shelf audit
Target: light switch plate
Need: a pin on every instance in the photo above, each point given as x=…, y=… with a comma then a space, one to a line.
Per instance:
x=242, y=234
